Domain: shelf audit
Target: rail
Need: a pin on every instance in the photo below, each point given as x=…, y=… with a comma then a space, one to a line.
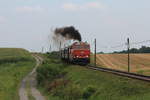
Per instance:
x=121, y=73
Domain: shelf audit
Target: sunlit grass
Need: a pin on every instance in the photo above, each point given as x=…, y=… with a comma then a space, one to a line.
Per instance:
x=107, y=86
x=15, y=64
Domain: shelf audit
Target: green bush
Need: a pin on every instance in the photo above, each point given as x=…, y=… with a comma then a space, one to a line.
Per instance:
x=73, y=92
x=69, y=92
x=88, y=92
x=48, y=72
x=54, y=55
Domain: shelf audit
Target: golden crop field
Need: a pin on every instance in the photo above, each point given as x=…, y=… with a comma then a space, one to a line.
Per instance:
x=139, y=63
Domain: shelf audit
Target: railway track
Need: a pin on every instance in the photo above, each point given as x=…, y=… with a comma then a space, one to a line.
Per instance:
x=121, y=73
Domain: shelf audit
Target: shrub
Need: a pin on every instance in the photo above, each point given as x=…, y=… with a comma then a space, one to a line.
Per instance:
x=58, y=83
x=73, y=92
x=54, y=55
x=48, y=72
x=88, y=92
x=69, y=92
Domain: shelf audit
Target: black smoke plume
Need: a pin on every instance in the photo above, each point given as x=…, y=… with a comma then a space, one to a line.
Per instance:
x=68, y=33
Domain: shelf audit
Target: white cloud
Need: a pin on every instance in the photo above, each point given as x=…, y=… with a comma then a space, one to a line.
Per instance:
x=29, y=9
x=94, y=5
x=70, y=6
x=2, y=19
x=85, y=6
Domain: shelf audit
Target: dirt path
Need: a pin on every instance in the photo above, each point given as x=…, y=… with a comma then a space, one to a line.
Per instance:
x=31, y=77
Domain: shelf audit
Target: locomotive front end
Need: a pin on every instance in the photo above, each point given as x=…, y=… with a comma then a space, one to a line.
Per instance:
x=80, y=52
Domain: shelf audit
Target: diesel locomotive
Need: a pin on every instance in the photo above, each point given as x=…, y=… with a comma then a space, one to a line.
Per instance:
x=78, y=52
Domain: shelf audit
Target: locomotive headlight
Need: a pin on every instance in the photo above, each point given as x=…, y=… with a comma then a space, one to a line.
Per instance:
x=87, y=56
x=76, y=56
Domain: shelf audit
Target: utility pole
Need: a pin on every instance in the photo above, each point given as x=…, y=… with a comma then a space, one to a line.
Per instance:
x=60, y=49
x=95, y=53
x=42, y=49
x=128, y=47
x=50, y=48
x=60, y=46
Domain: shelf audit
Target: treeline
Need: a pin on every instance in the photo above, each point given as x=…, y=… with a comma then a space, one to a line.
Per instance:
x=143, y=49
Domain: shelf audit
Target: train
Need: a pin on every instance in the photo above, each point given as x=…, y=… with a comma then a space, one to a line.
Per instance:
x=77, y=53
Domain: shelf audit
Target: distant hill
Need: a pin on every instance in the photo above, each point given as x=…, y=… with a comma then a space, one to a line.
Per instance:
x=8, y=55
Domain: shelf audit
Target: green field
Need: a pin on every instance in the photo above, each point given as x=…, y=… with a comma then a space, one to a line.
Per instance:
x=79, y=83
x=14, y=65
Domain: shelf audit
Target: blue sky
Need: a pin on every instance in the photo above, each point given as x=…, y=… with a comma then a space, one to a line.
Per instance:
x=27, y=23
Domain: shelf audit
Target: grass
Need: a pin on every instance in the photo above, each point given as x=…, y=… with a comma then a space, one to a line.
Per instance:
x=14, y=65
x=13, y=55
x=109, y=87
x=139, y=63
x=92, y=61
x=85, y=84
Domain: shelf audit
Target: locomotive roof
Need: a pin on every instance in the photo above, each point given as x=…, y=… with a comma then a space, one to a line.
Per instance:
x=80, y=43
x=76, y=43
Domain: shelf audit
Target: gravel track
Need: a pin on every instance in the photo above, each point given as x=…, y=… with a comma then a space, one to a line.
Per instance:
x=31, y=77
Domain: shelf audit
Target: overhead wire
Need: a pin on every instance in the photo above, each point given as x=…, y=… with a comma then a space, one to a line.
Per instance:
x=132, y=43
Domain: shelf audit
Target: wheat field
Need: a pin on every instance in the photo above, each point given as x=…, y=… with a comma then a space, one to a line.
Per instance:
x=139, y=63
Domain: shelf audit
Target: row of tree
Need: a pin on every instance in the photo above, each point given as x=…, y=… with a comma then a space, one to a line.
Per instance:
x=143, y=49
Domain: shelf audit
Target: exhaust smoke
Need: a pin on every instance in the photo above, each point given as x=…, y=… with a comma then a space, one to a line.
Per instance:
x=69, y=33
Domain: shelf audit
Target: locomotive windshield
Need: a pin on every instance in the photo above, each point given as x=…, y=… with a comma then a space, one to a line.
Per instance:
x=81, y=47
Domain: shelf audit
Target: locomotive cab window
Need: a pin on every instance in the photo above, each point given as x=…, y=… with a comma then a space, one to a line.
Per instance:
x=81, y=47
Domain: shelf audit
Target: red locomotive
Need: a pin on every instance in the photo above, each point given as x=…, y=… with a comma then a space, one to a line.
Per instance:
x=78, y=52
